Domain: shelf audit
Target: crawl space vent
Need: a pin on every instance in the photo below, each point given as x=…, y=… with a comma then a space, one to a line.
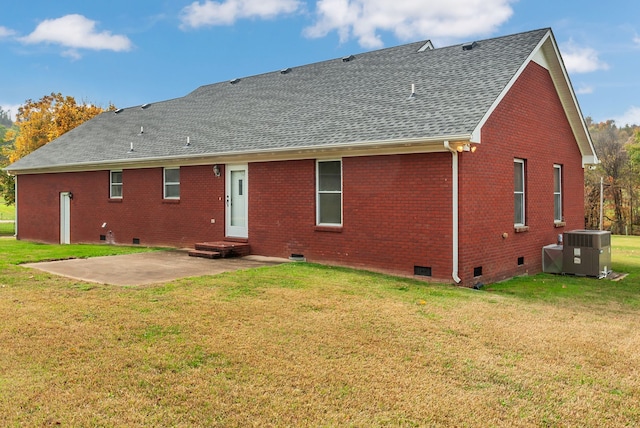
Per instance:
x=422, y=270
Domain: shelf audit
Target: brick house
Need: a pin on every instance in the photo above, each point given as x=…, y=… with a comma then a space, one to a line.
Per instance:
x=456, y=164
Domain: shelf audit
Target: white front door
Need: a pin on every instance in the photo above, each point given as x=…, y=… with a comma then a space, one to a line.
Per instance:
x=65, y=217
x=237, y=201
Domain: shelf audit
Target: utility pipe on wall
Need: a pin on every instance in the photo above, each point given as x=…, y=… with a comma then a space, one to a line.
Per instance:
x=454, y=211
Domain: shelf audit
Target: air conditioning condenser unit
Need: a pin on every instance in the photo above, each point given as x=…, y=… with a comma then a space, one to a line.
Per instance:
x=587, y=253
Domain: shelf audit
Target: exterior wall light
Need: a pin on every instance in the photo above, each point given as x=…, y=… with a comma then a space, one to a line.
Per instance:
x=466, y=148
x=216, y=170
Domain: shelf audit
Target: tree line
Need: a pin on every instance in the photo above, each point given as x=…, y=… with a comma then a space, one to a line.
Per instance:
x=617, y=174
x=5, y=118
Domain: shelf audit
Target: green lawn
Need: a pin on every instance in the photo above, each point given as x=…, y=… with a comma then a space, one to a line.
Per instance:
x=7, y=212
x=307, y=345
x=7, y=228
x=557, y=288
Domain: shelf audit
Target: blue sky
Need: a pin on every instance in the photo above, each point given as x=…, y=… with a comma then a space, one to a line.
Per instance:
x=140, y=51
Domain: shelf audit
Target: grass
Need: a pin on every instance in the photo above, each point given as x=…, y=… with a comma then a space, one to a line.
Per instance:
x=13, y=252
x=7, y=228
x=563, y=289
x=308, y=345
x=7, y=212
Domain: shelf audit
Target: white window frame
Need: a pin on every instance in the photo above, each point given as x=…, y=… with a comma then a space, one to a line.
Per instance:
x=113, y=184
x=520, y=192
x=166, y=183
x=557, y=195
x=321, y=192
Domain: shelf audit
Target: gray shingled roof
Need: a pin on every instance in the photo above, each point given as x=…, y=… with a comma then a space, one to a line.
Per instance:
x=326, y=103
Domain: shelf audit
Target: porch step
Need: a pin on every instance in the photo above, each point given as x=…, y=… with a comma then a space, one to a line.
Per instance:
x=224, y=248
x=204, y=254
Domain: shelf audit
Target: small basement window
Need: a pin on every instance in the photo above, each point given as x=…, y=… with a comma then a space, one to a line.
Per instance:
x=477, y=271
x=520, y=261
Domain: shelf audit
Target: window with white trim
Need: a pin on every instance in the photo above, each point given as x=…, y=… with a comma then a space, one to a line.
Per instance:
x=557, y=193
x=171, y=183
x=329, y=193
x=518, y=192
x=115, y=184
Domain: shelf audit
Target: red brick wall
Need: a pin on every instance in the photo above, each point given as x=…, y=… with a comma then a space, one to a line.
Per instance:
x=141, y=213
x=396, y=213
x=528, y=124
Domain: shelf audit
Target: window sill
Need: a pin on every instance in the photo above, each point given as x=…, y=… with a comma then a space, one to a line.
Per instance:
x=520, y=229
x=171, y=201
x=115, y=200
x=559, y=224
x=333, y=229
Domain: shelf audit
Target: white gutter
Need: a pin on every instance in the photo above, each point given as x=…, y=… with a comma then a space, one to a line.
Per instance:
x=454, y=211
x=358, y=148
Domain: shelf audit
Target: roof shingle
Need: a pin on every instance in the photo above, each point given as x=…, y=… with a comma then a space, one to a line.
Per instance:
x=315, y=105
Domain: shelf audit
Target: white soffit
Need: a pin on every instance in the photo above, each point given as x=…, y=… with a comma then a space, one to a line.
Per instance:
x=540, y=59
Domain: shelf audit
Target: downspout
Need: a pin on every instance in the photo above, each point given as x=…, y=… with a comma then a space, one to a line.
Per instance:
x=454, y=211
x=15, y=201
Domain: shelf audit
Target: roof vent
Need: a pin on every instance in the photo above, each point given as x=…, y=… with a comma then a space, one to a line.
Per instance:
x=144, y=106
x=118, y=111
x=285, y=70
x=348, y=58
x=234, y=81
x=426, y=47
x=413, y=91
x=469, y=46
x=141, y=130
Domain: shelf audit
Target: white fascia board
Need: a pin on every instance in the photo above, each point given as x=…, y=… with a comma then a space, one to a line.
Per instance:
x=568, y=98
x=352, y=149
x=547, y=55
x=476, y=134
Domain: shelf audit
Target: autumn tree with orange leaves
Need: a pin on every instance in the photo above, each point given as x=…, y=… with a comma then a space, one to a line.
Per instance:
x=37, y=123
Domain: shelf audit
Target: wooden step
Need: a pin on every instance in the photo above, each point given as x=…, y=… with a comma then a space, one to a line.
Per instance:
x=204, y=254
x=225, y=248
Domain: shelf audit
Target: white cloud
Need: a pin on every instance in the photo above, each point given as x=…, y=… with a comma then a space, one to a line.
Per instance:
x=629, y=117
x=408, y=19
x=228, y=12
x=636, y=40
x=584, y=89
x=6, y=32
x=581, y=60
x=76, y=32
